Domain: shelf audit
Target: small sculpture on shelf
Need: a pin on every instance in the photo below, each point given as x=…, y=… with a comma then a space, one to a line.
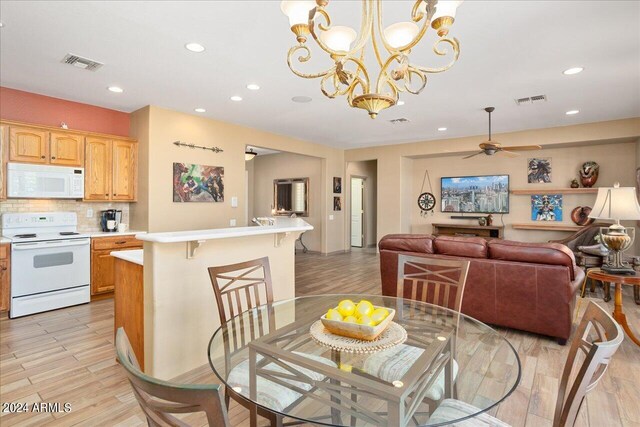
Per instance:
x=589, y=174
x=489, y=219
x=574, y=183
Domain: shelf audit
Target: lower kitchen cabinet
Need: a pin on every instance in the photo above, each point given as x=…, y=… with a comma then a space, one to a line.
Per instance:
x=102, y=263
x=5, y=276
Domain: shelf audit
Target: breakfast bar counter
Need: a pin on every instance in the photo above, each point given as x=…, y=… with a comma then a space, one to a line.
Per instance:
x=180, y=313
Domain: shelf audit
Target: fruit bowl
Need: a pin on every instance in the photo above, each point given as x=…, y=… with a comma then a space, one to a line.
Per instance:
x=356, y=330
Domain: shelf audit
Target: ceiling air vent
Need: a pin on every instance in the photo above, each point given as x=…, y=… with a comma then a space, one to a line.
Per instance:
x=531, y=100
x=80, y=62
x=399, y=121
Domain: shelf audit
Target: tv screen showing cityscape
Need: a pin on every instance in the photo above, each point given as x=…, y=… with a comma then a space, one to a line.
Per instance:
x=475, y=194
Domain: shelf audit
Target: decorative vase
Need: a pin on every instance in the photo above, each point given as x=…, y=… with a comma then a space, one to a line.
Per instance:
x=589, y=174
x=580, y=215
x=482, y=221
x=574, y=183
x=489, y=219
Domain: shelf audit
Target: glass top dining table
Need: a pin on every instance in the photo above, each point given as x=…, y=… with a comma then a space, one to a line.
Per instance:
x=268, y=356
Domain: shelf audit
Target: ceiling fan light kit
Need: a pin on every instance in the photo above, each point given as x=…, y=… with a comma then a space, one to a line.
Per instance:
x=391, y=45
x=490, y=147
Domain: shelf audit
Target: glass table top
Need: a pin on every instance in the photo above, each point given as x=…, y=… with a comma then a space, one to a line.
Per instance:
x=268, y=356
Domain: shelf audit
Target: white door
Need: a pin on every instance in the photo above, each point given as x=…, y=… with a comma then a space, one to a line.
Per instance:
x=357, y=212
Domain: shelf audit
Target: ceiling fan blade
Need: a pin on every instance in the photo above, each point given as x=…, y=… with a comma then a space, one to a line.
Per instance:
x=524, y=147
x=473, y=155
x=509, y=153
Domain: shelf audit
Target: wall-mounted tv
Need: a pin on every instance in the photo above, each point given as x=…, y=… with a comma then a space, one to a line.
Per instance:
x=475, y=194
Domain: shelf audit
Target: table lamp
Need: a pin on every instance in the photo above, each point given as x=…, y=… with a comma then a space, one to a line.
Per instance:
x=616, y=203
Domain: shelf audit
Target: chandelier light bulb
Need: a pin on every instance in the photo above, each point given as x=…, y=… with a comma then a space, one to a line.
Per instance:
x=339, y=38
x=401, y=34
x=446, y=8
x=297, y=10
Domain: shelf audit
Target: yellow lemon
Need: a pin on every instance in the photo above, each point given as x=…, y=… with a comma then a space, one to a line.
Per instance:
x=364, y=308
x=346, y=307
x=379, y=314
x=350, y=319
x=333, y=314
x=366, y=320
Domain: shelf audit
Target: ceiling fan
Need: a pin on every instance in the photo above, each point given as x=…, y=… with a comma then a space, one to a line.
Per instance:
x=490, y=147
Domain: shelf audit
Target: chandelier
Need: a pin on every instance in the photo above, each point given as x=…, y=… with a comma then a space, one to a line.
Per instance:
x=349, y=76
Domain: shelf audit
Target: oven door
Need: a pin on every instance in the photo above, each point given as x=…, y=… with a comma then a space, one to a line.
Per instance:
x=38, y=267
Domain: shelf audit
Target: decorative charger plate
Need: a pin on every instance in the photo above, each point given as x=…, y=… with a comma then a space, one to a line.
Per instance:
x=393, y=335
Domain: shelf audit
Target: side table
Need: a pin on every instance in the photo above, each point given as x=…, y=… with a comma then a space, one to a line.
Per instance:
x=618, y=280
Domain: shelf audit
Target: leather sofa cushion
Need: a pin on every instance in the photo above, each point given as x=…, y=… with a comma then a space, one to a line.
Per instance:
x=420, y=243
x=535, y=253
x=470, y=247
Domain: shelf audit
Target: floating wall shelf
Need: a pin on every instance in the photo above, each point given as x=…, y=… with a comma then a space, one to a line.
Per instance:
x=532, y=191
x=546, y=227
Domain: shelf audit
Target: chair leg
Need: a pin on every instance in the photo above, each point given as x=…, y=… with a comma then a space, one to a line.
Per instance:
x=227, y=399
x=593, y=285
x=607, y=291
x=636, y=294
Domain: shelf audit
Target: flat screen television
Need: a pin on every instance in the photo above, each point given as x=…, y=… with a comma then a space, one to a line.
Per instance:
x=475, y=194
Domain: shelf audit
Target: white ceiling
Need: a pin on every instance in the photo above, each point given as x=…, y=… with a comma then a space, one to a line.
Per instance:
x=510, y=49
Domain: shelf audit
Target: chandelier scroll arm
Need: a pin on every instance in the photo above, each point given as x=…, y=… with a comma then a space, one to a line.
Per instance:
x=455, y=45
x=416, y=39
x=292, y=52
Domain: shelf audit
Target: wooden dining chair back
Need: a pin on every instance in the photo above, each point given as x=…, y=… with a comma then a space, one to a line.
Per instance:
x=597, y=338
x=241, y=287
x=435, y=281
x=159, y=399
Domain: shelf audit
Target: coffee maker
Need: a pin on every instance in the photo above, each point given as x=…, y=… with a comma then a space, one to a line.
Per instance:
x=110, y=219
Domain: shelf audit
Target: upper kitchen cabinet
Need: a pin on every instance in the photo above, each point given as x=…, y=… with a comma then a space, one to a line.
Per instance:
x=4, y=138
x=28, y=145
x=97, y=169
x=111, y=169
x=125, y=170
x=66, y=149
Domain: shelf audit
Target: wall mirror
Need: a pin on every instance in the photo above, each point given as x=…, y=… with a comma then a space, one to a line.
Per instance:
x=291, y=196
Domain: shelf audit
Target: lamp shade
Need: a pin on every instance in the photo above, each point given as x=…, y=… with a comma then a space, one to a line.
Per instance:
x=297, y=10
x=616, y=203
x=338, y=38
x=249, y=154
x=401, y=34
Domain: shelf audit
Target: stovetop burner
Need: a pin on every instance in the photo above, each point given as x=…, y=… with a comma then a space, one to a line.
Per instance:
x=25, y=236
x=68, y=233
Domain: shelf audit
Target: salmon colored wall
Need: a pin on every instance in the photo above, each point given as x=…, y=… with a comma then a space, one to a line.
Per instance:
x=39, y=109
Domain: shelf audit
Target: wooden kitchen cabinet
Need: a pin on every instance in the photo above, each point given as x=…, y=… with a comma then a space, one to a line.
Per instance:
x=102, y=263
x=5, y=276
x=4, y=145
x=28, y=145
x=66, y=149
x=129, y=304
x=111, y=169
x=125, y=161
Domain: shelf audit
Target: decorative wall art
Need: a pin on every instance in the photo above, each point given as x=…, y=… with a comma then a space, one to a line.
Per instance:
x=589, y=174
x=539, y=170
x=337, y=203
x=337, y=185
x=198, y=183
x=580, y=215
x=546, y=207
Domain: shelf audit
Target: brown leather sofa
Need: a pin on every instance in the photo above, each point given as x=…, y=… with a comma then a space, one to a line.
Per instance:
x=526, y=286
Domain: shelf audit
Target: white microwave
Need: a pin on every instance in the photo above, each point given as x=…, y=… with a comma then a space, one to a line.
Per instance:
x=44, y=181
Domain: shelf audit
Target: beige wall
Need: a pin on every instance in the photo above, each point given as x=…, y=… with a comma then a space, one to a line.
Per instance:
x=282, y=166
x=157, y=128
x=617, y=163
x=369, y=171
x=391, y=193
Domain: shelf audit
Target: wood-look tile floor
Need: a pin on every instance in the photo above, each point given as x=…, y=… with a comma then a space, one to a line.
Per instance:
x=67, y=356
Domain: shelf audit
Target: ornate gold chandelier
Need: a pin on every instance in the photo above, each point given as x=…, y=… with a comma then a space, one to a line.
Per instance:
x=349, y=75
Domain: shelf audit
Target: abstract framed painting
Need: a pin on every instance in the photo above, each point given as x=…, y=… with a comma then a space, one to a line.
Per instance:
x=198, y=183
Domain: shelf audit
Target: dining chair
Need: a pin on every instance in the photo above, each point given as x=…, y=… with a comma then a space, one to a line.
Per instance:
x=435, y=281
x=240, y=287
x=159, y=399
x=598, y=337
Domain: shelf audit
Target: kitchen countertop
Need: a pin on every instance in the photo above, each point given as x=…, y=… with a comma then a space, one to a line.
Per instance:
x=5, y=240
x=135, y=256
x=115, y=233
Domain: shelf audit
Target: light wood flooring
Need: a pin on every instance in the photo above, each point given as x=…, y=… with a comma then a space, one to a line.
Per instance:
x=67, y=356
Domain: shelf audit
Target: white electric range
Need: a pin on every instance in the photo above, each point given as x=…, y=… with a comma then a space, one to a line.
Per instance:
x=50, y=261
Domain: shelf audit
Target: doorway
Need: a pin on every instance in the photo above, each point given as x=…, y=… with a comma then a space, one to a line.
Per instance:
x=357, y=212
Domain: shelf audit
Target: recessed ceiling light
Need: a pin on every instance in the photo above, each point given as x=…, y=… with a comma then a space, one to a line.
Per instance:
x=572, y=112
x=574, y=70
x=442, y=129
x=301, y=99
x=1, y=24
x=253, y=86
x=400, y=103
x=194, y=47
x=236, y=98
x=115, y=89
x=200, y=110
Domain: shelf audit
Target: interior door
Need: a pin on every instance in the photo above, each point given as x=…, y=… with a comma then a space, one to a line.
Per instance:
x=357, y=212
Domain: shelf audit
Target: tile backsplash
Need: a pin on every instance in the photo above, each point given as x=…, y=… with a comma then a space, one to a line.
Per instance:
x=80, y=208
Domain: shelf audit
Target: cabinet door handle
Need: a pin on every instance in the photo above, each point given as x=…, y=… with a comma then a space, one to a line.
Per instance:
x=42, y=157
x=4, y=268
x=53, y=157
x=106, y=194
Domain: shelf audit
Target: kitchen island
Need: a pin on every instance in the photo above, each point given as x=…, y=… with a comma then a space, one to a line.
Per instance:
x=180, y=313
